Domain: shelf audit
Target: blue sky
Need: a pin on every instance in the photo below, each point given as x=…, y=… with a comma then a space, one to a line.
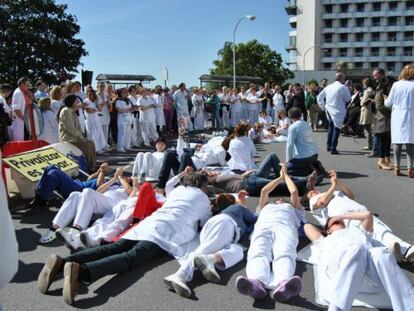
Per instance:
x=142, y=37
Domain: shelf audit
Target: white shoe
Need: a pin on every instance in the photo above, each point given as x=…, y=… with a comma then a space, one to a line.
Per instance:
x=48, y=237
x=395, y=249
x=70, y=237
x=409, y=255
x=206, y=266
x=173, y=282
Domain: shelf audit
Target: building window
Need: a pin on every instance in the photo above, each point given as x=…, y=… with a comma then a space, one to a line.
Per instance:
x=409, y=35
x=392, y=36
x=376, y=6
x=375, y=36
x=328, y=23
x=409, y=20
x=375, y=51
x=328, y=9
x=393, y=6
x=292, y=41
x=327, y=65
x=343, y=37
x=328, y=38
x=359, y=52
x=360, y=22
x=327, y=52
x=360, y=7
x=376, y=21
x=392, y=21
x=358, y=65
x=359, y=37
x=390, y=66
x=344, y=8
x=343, y=52
x=408, y=51
x=344, y=23
x=391, y=51
x=409, y=5
x=374, y=64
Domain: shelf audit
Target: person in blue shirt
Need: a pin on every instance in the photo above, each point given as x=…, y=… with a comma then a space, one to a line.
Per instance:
x=218, y=238
x=41, y=90
x=301, y=149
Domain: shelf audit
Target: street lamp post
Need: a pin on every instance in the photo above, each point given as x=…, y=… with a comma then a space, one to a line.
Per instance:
x=304, y=61
x=250, y=18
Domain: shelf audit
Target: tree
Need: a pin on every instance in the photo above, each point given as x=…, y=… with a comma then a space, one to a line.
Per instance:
x=252, y=59
x=37, y=39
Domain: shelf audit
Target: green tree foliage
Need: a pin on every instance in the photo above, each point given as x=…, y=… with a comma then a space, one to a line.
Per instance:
x=37, y=39
x=252, y=59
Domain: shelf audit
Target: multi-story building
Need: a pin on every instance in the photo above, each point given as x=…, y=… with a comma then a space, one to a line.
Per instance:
x=359, y=34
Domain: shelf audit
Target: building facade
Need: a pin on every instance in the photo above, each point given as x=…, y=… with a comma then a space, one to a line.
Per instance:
x=356, y=34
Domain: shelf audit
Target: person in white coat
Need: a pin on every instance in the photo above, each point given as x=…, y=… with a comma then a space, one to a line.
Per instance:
x=333, y=202
x=136, y=135
x=271, y=258
x=124, y=120
x=401, y=101
x=104, y=93
x=8, y=242
x=147, y=165
x=333, y=100
x=159, y=109
x=353, y=264
x=235, y=108
x=198, y=109
x=170, y=229
x=19, y=108
x=225, y=102
x=147, y=105
x=253, y=105
x=218, y=243
x=278, y=103
x=93, y=124
x=241, y=150
x=181, y=99
x=56, y=96
x=50, y=131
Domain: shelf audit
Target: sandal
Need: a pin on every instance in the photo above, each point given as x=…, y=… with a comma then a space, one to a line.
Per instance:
x=48, y=237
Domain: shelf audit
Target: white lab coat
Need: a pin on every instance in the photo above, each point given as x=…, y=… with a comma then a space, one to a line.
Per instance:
x=159, y=111
x=242, y=151
x=50, y=132
x=93, y=125
x=8, y=242
x=147, y=120
x=401, y=101
x=173, y=226
x=198, y=111
x=18, y=103
x=333, y=99
x=274, y=241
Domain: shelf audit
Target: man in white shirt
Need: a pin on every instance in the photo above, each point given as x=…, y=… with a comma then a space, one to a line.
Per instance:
x=278, y=103
x=337, y=96
x=19, y=107
x=181, y=97
x=146, y=105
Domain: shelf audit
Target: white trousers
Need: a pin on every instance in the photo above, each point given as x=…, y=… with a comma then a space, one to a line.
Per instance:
x=149, y=132
x=124, y=137
x=217, y=236
x=272, y=243
x=105, y=130
x=199, y=122
x=236, y=116
x=253, y=116
x=80, y=206
x=382, y=234
x=367, y=270
x=136, y=135
x=147, y=164
x=225, y=119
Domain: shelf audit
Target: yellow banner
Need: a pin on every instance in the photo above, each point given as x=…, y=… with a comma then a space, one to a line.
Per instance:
x=32, y=164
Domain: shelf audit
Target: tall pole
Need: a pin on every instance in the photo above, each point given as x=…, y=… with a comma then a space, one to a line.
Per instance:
x=304, y=61
x=251, y=18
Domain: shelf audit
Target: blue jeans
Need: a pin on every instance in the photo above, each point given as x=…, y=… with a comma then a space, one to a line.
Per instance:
x=376, y=146
x=54, y=178
x=333, y=135
x=301, y=167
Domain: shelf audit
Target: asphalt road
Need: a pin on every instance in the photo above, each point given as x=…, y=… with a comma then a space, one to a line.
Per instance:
x=389, y=197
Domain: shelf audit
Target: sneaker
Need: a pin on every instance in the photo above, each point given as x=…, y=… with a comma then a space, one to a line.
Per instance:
x=395, y=249
x=252, y=288
x=207, y=268
x=334, y=151
x=409, y=255
x=70, y=282
x=70, y=238
x=176, y=284
x=48, y=237
x=287, y=289
x=47, y=275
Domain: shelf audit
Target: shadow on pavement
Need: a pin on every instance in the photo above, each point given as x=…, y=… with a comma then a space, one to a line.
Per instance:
x=27, y=272
x=350, y=175
x=27, y=239
x=118, y=284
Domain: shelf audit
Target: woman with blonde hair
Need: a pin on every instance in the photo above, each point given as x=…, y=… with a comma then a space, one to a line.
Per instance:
x=56, y=96
x=50, y=129
x=401, y=101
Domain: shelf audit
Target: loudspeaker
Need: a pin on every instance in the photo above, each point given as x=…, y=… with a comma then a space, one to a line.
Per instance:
x=86, y=77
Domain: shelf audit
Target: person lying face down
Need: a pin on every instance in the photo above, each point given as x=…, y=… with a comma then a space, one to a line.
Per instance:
x=218, y=238
x=168, y=230
x=353, y=264
x=339, y=199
